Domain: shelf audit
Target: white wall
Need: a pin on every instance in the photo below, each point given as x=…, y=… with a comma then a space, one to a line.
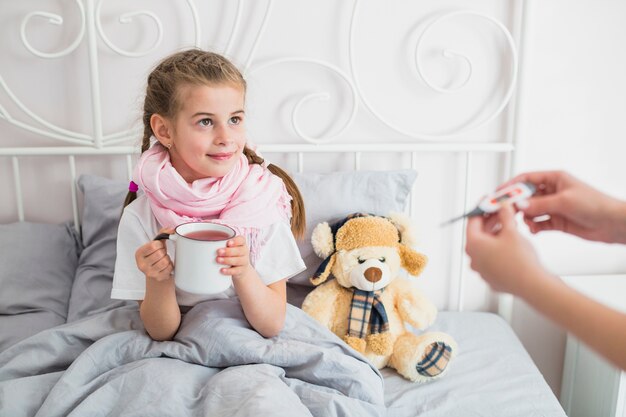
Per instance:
x=570, y=116
x=574, y=104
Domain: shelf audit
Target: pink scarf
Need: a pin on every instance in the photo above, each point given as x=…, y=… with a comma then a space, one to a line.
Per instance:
x=248, y=198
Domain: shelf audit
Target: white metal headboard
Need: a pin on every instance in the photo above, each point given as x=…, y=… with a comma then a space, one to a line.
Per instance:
x=73, y=144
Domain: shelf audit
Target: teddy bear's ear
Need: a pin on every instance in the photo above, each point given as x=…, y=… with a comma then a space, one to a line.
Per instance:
x=322, y=240
x=412, y=261
x=403, y=223
x=323, y=271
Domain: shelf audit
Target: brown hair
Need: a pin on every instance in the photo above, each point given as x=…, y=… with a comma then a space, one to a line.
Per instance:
x=198, y=67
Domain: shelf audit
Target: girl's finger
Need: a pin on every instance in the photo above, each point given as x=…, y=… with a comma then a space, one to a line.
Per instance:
x=168, y=269
x=232, y=260
x=157, y=257
x=233, y=270
x=161, y=264
x=236, y=241
x=234, y=251
x=152, y=248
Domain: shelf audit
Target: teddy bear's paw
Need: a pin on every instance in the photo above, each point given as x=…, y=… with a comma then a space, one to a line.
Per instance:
x=380, y=343
x=420, y=316
x=355, y=343
x=435, y=360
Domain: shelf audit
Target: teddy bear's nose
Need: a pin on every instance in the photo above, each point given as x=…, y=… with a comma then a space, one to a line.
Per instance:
x=373, y=274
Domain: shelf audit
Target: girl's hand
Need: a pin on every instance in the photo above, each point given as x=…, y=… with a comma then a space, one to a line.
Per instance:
x=152, y=259
x=236, y=255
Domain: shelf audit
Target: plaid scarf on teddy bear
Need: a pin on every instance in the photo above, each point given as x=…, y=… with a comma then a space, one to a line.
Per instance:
x=367, y=309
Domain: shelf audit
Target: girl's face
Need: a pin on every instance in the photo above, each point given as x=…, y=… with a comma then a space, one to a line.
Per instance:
x=208, y=134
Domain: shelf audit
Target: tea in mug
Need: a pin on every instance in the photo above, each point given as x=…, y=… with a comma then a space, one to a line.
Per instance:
x=208, y=235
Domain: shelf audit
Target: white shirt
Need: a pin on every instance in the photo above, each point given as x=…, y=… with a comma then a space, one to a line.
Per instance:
x=278, y=259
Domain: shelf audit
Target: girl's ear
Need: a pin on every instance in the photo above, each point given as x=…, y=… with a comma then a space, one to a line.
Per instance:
x=161, y=129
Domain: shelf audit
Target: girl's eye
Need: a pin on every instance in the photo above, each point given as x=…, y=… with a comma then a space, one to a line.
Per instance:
x=381, y=259
x=361, y=260
x=235, y=120
x=206, y=122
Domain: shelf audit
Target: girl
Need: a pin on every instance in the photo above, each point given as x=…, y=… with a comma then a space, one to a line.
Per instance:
x=195, y=166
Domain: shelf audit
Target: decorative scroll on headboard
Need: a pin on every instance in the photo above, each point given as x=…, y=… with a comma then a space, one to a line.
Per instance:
x=332, y=85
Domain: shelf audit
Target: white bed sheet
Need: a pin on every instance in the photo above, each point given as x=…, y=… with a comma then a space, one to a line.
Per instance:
x=492, y=375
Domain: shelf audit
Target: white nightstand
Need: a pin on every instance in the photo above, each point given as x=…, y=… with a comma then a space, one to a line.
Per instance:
x=591, y=386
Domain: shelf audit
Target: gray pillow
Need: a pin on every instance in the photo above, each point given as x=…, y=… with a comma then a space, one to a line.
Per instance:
x=16, y=327
x=331, y=197
x=327, y=197
x=102, y=207
x=38, y=266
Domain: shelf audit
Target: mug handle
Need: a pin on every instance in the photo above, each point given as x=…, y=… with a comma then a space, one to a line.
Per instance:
x=162, y=236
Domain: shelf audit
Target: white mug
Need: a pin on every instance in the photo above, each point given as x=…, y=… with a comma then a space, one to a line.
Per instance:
x=196, y=269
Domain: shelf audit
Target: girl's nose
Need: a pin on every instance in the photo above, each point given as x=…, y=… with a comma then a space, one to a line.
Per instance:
x=222, y=136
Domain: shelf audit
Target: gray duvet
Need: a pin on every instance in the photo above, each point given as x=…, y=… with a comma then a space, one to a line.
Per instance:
x=106, y=365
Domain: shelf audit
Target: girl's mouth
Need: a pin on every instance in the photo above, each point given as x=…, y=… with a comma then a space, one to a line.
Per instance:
x=220, y=156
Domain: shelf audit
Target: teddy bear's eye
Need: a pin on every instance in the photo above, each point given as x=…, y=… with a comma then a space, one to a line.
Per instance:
x=382, y=259
x=361, y=260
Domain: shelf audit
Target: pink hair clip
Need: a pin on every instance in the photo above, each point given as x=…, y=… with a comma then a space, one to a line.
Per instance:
x=132, y=187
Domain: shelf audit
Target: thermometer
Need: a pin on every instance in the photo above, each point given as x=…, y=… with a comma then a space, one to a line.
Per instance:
x=513, y=193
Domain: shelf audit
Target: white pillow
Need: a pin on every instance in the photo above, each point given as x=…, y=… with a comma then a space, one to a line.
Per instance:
x=331, y=197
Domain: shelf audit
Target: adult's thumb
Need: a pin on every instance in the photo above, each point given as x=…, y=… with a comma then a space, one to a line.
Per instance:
x=474, y=227
x=507, y=216
x=541, y=205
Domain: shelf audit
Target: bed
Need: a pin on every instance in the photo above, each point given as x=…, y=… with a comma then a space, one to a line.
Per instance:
x=67, y=348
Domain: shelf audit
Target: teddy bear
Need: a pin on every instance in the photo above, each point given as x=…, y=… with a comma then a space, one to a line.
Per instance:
x=368, y=302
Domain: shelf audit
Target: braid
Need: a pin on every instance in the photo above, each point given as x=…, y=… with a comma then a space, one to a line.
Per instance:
x=298, y=215
x=252, y=156
x=145, y=145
